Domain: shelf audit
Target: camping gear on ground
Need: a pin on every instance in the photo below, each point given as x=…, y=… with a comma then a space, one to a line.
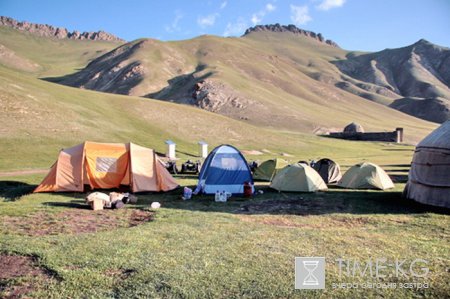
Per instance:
x=366, y=176
x=429, y=176
x=190, y=167
x=187, y=193
x=132, y=198
x=268, y=169
x=118, y=204
x=248, y=189
x=124, y=197
x=298, y=178
x=217, y=196
x=98, y=200
x=328, y=170
x=106, y=166
x=171, y=166
x=253, y=166
x=97, y=204
x=155, y=205
x=225, y=169
x=115, y=196
x=222, y=196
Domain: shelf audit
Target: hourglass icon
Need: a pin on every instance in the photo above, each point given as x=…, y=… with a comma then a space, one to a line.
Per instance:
x=310, y=279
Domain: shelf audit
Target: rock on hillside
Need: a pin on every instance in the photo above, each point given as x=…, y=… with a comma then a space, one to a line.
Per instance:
x=292, y=29
x=415, y=75
x=57, y=32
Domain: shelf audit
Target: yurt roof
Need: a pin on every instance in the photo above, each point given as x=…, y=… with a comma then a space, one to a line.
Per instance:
x=439, y=138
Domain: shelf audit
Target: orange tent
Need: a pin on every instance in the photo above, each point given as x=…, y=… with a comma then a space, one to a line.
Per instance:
x=107, y=165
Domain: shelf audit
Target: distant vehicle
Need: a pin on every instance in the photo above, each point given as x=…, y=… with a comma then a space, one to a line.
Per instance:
x=171, y=166
x=191, y=167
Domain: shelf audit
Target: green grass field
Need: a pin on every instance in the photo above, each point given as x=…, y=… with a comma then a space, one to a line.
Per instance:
x=203, y=249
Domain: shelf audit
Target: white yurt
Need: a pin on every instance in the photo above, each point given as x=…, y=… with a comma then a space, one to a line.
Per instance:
x=429, y=176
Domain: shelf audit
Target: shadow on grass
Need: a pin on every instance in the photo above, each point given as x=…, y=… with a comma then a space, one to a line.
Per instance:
x=336, y=200
x=13, y=190
x=77, y=204
x=398, y=178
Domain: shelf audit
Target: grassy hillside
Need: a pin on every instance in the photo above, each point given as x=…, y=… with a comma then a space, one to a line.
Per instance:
x=46, y=57
x=39, y=118
x=291, y=86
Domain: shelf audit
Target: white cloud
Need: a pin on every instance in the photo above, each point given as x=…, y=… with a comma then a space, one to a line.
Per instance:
x=236, y=28
x=329, y=4
x=223, y=5
x=270, y=7
x=207, y=21
x=300, y=14
x=258, y=16
x=174, y=25
x=256, y=19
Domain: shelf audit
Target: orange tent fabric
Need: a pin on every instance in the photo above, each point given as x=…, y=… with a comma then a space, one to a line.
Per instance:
x=105, y=166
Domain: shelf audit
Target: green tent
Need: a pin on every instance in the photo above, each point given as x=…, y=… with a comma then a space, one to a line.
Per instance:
x=268, y=169
x=328, y=170
x=298, y=178
x=366, y=176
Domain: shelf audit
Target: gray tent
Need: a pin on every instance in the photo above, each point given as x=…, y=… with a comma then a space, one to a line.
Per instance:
x=429, y=176
x=328, y=170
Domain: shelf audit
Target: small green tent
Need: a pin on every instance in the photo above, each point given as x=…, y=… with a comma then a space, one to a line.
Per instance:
x=268, y=169
x=366, y=176
x=328, y=170
x=298, y=178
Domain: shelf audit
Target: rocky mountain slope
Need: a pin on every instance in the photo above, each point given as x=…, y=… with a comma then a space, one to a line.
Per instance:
x=280, y=81
x=57, y=32
x=244, y=77
x=414, y=79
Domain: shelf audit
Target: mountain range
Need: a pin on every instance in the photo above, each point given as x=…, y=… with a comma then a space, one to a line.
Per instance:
x=56, y=32
x=222, y=74
x=275, y=87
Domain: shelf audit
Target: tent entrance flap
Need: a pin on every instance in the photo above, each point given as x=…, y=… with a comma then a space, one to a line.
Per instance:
x=106, y=165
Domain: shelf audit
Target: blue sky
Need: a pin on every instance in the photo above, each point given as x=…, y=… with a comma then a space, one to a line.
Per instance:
x=369, y=25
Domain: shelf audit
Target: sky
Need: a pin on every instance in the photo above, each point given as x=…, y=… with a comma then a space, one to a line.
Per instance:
x=365, y=25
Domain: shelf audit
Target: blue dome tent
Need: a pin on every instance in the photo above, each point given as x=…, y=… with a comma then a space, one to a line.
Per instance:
x=225, y=169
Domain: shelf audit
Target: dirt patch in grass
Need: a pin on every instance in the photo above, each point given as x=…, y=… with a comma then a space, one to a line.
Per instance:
x=74, y=221
x=20, y=275
x=289, y=206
